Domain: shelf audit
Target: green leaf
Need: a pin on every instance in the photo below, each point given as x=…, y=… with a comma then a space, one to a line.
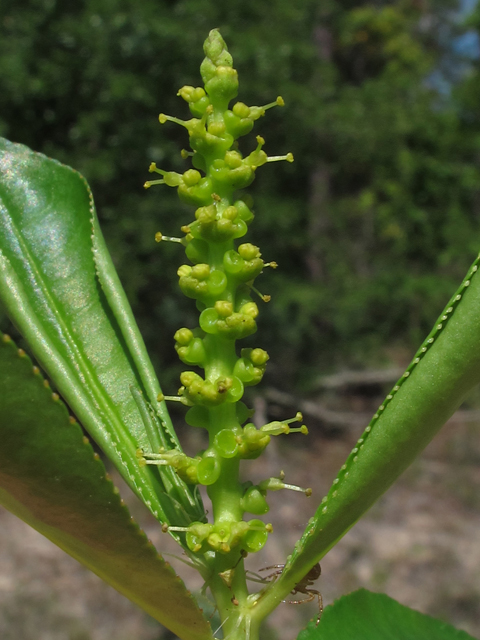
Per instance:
x=80, y=326
x=51, y=479
x=363, y=615
x=445, y=368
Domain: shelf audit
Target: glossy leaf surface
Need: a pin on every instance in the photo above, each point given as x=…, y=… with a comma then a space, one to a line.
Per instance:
x=51, y=479
x=363, y=615
x=60, y=288
x=443, y=371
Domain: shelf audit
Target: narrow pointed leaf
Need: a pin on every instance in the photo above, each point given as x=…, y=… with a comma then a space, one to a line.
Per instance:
x=84, y=336
x=51, y=479
x=443, y=371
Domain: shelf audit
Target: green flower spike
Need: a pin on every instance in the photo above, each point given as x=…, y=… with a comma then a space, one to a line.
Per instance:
x=220, y=276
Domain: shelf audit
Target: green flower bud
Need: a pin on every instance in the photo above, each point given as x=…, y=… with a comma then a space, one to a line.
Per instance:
x=243, y=211
x=184, y=271
x=216, y=129
x=208, y=468
x=197, y=535
x=252, y=442
x=218, y=227
x=183, y=337
x=196, y=98
x=236, y=178
x=238, y=120
x=254, y=502
x=249, y=251
x=215, y=49
x=256, y=536
x=196, y=390
x=208, y=321
x=198, y=282
x=249, y=309
x=200, y=271
x=259, y=357
x=230, y=213
x=191, y=94
x=206, y=215
x=233, y=159
x=221, y=81
x=220, y=536
x=191, y=177
x=224, y=308
x=236, y=325
x=243, y=270
x=209, y=144
x=198, y=194
x=251, y=366
x=222, y=87
x=193, y=353
x=244, y=370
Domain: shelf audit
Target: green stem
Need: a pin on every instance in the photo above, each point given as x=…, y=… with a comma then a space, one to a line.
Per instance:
x=232, y=602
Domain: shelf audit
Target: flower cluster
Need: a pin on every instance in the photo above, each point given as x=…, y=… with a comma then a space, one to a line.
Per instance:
x=220, y=278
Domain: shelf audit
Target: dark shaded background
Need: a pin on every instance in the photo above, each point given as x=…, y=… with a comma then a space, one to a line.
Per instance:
x=373, y=226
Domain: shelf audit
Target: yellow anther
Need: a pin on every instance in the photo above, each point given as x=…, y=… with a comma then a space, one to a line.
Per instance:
x=160, y=397
x=280, y=101
x=162, y=118
x=265, y=298
x=158, y=237
x=152, y=167
x=184, y=270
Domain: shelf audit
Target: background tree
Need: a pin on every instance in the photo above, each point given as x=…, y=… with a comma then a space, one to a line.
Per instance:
x=376, y=220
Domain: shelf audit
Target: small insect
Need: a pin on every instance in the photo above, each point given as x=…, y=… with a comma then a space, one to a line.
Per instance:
x=303, y=586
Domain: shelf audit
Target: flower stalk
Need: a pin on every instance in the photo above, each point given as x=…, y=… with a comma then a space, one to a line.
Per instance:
x=220, y=277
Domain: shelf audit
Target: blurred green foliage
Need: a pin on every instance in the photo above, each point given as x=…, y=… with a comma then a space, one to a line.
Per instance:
x=374, y=224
